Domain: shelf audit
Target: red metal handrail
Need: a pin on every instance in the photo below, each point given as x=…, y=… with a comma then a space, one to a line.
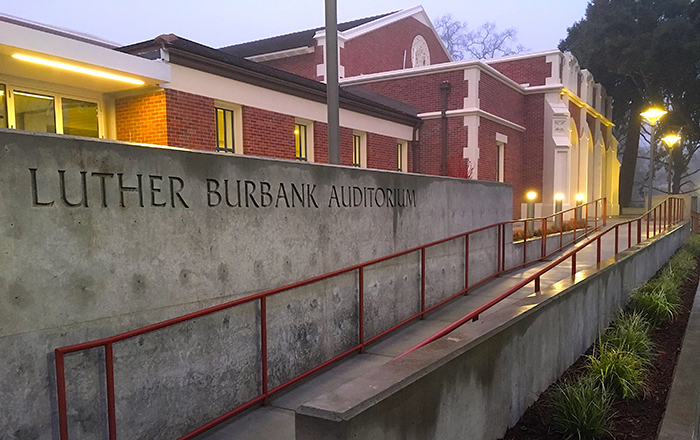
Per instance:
x=108, y=342
x=674, y=205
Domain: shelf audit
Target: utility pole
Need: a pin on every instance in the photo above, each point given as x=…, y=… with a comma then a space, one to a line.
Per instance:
x=332, y=88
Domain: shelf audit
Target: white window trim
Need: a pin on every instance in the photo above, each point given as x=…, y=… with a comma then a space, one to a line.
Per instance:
x=404, y=154
x=363, y=147
x=237, y=123
x=309, y=137
x=58, y=95
x=501, y=146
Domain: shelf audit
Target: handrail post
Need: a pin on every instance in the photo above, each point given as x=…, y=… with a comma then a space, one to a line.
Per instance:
x=544, y=238
x=585, y=222
x=595, y=220
x=605, y=211
x=466, y=263
x=573, y=264
x=111, y=405
x=263, y=348
x=61, y=395
x=499, y=267
x=648, y=221
x=617, y=237
x=655, y=220
x=629, y=234
x=361, y=307
x=537, y=284
x=598, y=250
x=422, y=283
x=639, y=230
x=525, y=241
x=561, y=230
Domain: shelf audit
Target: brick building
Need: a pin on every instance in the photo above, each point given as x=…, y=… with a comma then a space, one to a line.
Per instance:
x=536, y=121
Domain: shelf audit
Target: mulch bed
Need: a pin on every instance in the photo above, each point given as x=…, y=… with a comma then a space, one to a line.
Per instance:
x=634, y=419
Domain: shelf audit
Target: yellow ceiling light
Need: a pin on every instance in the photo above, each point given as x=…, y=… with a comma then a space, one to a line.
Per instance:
x=34, y=95
x=653, y=115
x=671, y=139
x=532, y=195
x=73, y=68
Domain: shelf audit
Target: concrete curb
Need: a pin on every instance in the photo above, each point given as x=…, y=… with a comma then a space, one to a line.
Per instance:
x=682, y=417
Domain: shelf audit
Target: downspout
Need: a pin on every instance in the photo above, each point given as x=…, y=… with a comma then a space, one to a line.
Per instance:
x=415, y=147
x=445, y=89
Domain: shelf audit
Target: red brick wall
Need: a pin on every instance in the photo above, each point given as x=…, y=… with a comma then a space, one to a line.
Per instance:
x=423, y=92
x=267, y=133
x=302, y=65
x=513, y=160
x=142, y=118
x=382, y=152
x=529, y=70
x=191, y=121
x=533, y=148
x=383, y=49
x=430, y=149
x=500, y=100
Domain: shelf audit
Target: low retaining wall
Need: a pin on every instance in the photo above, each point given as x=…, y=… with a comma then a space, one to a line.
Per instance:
x=479, y=380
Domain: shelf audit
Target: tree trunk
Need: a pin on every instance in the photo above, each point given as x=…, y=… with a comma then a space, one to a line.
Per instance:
x=629, y=156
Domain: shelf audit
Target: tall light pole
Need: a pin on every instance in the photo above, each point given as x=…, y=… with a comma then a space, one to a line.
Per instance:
x=652, y=116
x=332, y=90
x=670, y=140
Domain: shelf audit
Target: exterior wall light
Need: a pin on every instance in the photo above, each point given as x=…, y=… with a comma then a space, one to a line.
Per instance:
x=579, y=211
x=78, y=69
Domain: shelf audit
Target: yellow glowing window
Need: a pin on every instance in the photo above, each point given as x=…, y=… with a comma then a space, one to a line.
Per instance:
x=35, y=112
x=3, y=106
x=80, y=118
x=356, y=150
x=300, y=141
x=224, y=131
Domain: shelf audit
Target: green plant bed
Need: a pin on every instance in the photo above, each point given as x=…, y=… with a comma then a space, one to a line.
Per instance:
x=618, y=388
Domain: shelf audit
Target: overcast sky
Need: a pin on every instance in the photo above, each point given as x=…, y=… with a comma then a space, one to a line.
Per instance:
x=540, y=23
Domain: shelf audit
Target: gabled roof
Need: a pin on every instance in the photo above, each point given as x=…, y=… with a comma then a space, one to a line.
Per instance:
x=291, y=41
x=215, y=61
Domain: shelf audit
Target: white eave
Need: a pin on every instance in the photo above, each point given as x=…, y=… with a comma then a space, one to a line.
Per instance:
x=15, y=38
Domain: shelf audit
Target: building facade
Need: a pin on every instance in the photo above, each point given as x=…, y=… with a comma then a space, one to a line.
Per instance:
x=536, y=121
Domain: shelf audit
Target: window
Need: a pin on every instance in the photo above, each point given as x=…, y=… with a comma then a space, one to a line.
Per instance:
x=79, y=118
x=3, y=107
x=225, y=139
x=359, y=149
x=300, y=140
x=356, y=150
x=500, y=161
x=35, y=112
x=26, y=109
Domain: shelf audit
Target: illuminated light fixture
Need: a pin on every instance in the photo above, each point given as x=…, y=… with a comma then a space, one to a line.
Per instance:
x=532, y=195
x=653, y=115
x=33, y=95
x=78, y=69
x=579, y=197
x=296, y=131
x=671, y=139
x=559, y=197
x=2, y=92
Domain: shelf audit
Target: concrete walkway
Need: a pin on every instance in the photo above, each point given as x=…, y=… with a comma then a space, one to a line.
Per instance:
x=276, y=421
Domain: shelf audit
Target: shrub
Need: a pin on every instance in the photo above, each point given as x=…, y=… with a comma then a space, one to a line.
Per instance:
x=581, y=410
x=618, y=370
x=655, y=306
x=630, y=332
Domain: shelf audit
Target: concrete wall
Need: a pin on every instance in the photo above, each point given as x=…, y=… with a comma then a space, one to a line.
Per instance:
x=83, y=259
x=478, y=381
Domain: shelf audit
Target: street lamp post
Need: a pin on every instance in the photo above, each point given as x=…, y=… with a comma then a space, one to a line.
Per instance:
x=652, y=116
x=531, y=196
x=670, y=140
